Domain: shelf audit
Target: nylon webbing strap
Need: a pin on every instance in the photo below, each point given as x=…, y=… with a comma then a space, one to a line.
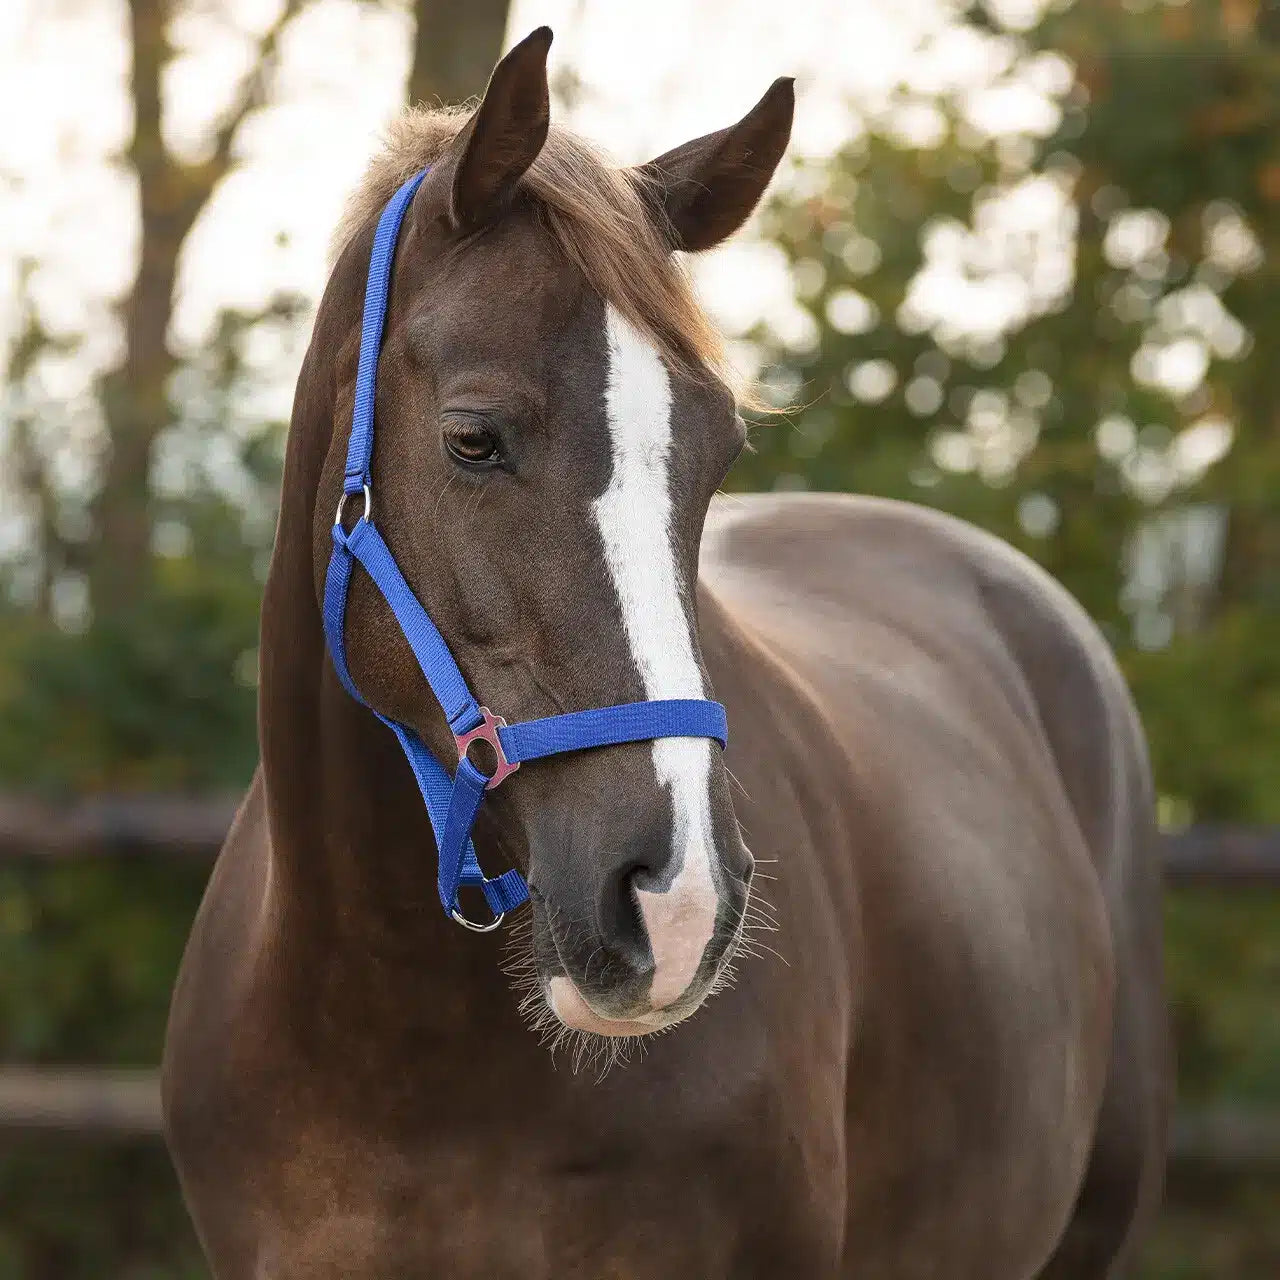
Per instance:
x=613, y=726
x=377, y=290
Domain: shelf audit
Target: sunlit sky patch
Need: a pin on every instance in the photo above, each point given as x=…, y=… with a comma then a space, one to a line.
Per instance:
x=649, y=76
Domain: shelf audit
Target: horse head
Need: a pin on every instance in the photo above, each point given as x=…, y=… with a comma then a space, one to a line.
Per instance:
x=552, y=422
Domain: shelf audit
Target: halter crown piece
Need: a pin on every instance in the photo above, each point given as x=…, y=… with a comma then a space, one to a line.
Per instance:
x=452, y=803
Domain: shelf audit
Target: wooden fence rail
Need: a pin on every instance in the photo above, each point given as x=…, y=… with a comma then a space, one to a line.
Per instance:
x=114, y=826
x=96, y=1103
x=81, y=1101
x=192, y=827
x=1223, y=855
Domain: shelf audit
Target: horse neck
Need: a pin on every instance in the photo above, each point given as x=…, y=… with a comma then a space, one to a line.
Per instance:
x=342, y=825
x=352, y=851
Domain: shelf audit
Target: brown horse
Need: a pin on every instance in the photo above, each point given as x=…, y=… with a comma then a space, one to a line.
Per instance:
x=957, y=1068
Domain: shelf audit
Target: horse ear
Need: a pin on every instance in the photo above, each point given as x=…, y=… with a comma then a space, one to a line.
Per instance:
x=503, y=137
x=708, y=187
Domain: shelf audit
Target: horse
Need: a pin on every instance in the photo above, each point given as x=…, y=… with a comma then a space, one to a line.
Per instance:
x=921, y=881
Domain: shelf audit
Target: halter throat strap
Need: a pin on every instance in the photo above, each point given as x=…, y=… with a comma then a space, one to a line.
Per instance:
x=453, y=801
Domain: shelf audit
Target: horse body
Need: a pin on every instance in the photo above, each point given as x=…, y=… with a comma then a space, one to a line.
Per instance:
x=941, y=768
x=956, y=1064
x=993, y=880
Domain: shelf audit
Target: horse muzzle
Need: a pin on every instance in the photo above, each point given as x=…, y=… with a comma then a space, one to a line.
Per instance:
x=650, y=947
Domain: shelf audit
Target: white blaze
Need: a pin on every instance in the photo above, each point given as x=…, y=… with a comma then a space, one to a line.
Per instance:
x=634, y=517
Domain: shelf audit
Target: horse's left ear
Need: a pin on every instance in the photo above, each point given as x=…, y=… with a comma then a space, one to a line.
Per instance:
x=708, y=187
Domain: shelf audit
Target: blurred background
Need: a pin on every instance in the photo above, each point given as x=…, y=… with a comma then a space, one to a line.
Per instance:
x=1021, y=265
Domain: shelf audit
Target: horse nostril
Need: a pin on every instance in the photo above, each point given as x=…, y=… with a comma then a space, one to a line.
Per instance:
x=621, y=928
x=638, y=876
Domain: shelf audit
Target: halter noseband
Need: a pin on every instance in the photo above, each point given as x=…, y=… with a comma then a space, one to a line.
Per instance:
x=452, y=803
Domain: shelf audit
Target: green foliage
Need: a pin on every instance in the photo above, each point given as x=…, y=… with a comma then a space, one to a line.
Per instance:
x=1048, y=423
x=160, y=699
x=88, y=953
x=77, y=1212
x=1211, y=706
x=1216, y=1227
x=1222, y=952
x=1223, y=962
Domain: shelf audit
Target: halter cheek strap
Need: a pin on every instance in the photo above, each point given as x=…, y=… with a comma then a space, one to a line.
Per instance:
x=452, y=802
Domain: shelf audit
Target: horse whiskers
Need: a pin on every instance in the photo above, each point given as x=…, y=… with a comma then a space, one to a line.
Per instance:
x=732, y=778
x=754, y=947
x=476, y=505
x=759, y=916
x=760, y=913
x=448, y=484
x=756, y=901
x=585, y=1050
x=726, y=979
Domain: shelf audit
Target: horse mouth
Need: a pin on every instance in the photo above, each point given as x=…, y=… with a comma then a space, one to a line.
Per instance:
x=575, y=1011
x=562, y=1009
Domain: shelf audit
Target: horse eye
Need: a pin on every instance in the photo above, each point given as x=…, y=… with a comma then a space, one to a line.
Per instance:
x=472, y=444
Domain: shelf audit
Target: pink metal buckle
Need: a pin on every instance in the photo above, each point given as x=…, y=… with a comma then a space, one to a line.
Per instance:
x=487, y=731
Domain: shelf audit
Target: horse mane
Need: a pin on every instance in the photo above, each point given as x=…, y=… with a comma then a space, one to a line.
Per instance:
x=600, y=216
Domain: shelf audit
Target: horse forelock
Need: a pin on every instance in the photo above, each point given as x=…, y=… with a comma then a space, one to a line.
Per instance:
x=604, y=219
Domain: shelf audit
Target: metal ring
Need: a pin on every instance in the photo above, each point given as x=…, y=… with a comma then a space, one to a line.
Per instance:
x=487, y=731
x=477, y=928
x=342, y=502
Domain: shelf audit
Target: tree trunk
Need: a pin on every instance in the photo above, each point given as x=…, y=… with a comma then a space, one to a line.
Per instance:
x=134, y=397
x=455, y=47
x=135, y=402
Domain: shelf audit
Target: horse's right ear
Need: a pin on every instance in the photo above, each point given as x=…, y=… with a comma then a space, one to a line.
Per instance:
x=481, y=166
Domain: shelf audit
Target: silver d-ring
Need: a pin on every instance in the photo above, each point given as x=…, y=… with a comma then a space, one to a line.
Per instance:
x=477, y=928
x=342, y=502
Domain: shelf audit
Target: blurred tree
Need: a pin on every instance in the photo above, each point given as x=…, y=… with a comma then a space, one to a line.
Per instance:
x=123, y=547
x=455, y=46
x=135, y=394
x=49, y=552
x=1048, y=334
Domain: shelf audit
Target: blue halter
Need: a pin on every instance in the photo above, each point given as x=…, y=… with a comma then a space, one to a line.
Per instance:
x=452, y=803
